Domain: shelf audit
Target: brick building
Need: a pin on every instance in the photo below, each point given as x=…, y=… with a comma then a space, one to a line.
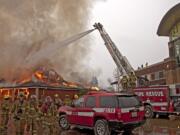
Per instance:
x=166, y=72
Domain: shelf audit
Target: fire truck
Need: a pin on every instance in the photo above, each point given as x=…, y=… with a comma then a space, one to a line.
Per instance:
x=157, y=99
x=161, y=100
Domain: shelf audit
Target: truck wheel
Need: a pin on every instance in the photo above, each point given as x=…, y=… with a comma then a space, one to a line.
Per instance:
x=101, y=128
x=63, y=122
x=148, y=111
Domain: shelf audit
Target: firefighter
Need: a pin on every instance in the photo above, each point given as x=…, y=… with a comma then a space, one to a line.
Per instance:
x=124, y=82
x=67, y=100
x=19, y=110
x=41, y=100
x=57, y=101
x=48, y=111
x=132, y=80
x=75, y=98
x=32, y=115
x=5, y=111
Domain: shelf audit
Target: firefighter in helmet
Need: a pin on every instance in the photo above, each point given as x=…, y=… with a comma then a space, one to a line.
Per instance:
x=48, y=112
x=5, y=111
x=57, y=101
x=32, y=115
x=132, y=80
x=75, y=98
x=19, y=110
x=124, y=82
x=67, y=100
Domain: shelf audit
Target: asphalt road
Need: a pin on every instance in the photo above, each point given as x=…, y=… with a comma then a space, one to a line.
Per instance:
x=151, y=127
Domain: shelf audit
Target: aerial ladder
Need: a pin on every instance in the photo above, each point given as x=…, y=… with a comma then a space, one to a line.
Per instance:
x=121, y=61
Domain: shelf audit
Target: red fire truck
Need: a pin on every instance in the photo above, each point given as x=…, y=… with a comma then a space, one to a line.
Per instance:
x=159, y=99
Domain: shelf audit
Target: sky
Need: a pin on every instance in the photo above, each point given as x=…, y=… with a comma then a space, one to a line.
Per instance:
x=132, y=25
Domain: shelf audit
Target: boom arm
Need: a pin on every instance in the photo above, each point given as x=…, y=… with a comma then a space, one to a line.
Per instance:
x=122, y=63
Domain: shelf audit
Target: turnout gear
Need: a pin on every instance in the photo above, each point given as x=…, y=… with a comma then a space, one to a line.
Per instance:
x=132, y=80
x=67, y=100
x=57, y=102
x=4, y=111
x=32, y=115
x=49, y=114
x=19, y=111
x=124, y=82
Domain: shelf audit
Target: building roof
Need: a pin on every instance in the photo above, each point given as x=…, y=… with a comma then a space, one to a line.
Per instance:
x=169, y=20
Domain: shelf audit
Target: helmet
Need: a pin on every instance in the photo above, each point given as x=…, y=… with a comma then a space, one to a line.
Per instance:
x=33, y=97
x=48, y=99
x=76, y=96
x=6, y=96
x=56, y=95
x=21, y=94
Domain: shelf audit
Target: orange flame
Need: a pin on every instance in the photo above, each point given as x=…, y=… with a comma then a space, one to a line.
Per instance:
x=39, y=75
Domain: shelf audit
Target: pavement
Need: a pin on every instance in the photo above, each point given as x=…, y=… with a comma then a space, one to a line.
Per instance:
x=151, y=127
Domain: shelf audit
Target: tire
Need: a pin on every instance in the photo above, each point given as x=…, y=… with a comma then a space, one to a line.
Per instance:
x=149, y=111
x=101, y=128
x=63, y=122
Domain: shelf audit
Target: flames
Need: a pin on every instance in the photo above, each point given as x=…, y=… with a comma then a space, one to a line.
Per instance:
x=49, y=77
x=39, y=75
x=44, y=77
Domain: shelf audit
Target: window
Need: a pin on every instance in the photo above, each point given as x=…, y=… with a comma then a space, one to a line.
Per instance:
x=152, y=76
x=149, y=77
x=129, y=101
x=177, y=51
x=175, y=32
x=108, y=101
x=91, y=102
x=156, y=75
x=177, y=90
x=79, y=102
x=161, y=74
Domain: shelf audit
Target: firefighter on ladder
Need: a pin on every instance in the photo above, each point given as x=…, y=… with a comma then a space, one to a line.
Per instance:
x=124, y=82
x=5, y=111
x=132, y=80
x=19, y=111
x=32, y=115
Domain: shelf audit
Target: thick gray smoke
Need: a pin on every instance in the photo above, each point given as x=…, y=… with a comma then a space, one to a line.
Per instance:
x=28, y=26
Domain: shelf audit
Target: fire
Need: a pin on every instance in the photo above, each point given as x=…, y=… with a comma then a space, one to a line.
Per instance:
x=25, y=80
x=38, y=75
x=95, y=88
x=70, y=84
x=47, y=77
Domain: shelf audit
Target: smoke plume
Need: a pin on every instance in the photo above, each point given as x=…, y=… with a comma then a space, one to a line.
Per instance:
x=29, y=26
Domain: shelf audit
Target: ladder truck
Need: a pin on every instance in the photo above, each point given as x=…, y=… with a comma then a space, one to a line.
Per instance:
x=156, y=99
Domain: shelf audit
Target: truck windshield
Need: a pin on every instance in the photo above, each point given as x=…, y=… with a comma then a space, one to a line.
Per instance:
x=128, y=101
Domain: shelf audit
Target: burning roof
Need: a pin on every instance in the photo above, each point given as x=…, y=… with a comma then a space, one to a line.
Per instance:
x=42, y=77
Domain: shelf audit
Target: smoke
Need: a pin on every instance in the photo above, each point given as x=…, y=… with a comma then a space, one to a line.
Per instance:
x=27, y=27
